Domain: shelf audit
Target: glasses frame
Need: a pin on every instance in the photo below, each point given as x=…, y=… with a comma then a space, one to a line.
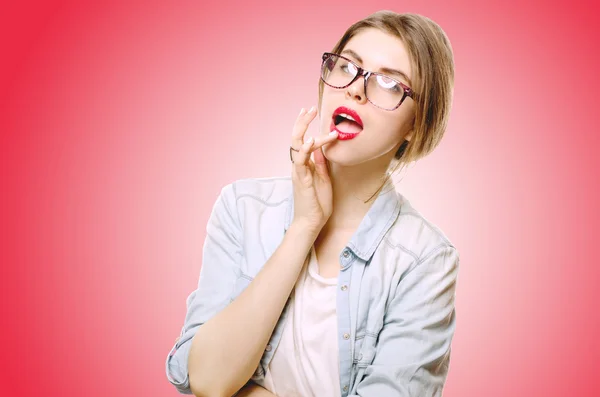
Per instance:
x=408, y=92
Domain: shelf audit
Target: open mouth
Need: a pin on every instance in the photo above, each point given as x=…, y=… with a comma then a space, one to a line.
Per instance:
x=347, y=122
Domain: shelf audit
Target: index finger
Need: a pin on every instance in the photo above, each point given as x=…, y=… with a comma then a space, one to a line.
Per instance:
x=301, y=126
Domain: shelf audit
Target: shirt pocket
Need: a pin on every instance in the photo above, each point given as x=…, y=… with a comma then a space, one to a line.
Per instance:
x=364, y=349
x=364, y=352
x=241, y=283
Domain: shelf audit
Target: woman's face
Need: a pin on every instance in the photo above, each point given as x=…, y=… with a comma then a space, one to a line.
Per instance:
x=383, y=131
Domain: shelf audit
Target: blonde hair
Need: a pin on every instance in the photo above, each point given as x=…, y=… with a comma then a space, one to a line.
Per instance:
x=432, y=63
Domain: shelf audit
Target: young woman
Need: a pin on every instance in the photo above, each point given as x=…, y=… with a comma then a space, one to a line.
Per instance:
x=328, y=282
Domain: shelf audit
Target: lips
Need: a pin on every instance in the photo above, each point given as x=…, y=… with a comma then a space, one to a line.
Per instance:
x=346, y=122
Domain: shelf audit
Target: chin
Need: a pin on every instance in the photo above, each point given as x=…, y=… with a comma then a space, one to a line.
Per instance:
x=334, y=153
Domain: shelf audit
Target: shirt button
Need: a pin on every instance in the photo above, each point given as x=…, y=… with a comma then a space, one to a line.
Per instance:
x=346, y=336
x=346, y=253
x=344, y=287
x=268, y=348
x=346, y=388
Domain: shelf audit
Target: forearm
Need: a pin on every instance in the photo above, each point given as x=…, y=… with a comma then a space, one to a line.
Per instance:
x=227, y=349
x=254, y=390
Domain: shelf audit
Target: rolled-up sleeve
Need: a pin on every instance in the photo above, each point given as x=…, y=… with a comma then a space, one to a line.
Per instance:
x=412, y=355
x=222, y=255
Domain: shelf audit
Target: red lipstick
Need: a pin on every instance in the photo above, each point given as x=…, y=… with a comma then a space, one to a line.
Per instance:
x=355, y=123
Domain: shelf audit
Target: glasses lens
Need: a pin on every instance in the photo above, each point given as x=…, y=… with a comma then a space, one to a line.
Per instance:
x=337, y=72
x=384, y=91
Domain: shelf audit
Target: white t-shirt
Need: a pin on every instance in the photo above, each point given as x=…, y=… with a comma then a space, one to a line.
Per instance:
x=306, y=362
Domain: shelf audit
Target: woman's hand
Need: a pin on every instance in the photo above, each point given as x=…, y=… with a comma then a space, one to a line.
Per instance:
x=312, y=185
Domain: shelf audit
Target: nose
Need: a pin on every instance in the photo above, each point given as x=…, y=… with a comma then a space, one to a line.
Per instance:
x=356, y=90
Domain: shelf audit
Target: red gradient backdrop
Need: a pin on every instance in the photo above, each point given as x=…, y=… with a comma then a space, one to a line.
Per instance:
x=121, y=122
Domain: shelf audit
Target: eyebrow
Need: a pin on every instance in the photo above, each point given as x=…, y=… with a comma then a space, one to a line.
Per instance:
x=383, y=70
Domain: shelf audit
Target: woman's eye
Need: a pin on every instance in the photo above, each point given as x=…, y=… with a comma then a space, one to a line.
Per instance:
x=387, y=83
x=352, y=69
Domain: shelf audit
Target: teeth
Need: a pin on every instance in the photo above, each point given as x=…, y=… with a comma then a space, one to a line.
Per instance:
x=346, y=116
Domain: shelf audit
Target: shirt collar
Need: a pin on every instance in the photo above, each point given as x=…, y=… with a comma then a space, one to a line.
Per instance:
x=375, y=224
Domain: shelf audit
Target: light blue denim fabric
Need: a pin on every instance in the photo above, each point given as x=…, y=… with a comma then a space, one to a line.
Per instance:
x=396, y=288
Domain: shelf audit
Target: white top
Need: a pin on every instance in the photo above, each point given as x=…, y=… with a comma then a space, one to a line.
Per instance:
x=306, y=362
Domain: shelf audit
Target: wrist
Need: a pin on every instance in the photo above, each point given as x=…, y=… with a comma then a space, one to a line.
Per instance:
x=304, y=230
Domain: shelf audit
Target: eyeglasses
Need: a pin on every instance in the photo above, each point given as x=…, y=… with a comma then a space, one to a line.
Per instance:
x=381, y=90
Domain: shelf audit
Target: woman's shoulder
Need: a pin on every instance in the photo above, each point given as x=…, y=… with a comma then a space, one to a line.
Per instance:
x=415, y=232
x=259, y=202
x=264, y=189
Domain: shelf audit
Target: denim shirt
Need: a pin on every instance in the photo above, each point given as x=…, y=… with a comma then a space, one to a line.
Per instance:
x=395, y=296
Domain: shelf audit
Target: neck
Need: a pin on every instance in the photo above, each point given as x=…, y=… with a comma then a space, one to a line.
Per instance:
x=352, y=186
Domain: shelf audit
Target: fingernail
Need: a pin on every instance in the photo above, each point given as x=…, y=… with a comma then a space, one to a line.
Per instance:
x=311, y=109
x=301, y=111
x=309, y=140
x=333, y=132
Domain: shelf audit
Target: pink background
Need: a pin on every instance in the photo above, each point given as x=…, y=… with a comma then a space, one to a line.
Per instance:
x=120, y=124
